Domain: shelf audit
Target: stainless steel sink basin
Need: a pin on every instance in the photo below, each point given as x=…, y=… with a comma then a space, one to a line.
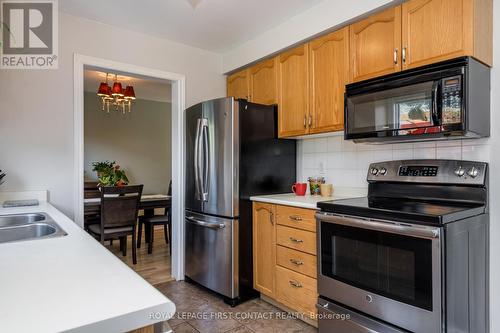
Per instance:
x=22, y=227
x=9, y=220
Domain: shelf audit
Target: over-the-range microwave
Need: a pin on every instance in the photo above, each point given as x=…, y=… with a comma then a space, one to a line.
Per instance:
x=446, y=100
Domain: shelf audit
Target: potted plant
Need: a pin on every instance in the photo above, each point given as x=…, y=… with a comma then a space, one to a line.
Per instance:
x=103, y=167
x=110, y=174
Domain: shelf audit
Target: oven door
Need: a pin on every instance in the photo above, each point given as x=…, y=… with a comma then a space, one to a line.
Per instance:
x=389, y=270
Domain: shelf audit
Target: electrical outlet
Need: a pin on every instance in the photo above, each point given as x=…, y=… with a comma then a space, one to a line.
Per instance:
x=321, y=168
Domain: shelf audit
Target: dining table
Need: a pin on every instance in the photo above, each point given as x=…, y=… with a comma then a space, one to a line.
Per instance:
x=148, y=203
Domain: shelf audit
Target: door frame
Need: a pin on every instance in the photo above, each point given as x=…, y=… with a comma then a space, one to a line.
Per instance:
x=178, y=82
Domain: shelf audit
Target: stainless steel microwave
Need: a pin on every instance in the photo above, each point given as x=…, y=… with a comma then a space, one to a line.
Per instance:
x=446, y=100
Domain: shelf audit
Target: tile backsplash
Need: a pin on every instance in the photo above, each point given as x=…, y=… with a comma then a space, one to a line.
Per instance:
x=345, y=163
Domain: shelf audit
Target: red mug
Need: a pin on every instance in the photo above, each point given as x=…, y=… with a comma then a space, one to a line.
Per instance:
x=299, y=188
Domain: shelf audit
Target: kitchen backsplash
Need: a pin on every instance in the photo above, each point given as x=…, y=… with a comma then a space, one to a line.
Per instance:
x=345, y=164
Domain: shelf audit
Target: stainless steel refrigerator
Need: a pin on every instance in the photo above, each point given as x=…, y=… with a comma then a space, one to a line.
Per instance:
x=232, y=153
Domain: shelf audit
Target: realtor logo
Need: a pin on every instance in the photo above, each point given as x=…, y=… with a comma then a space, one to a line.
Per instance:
x=29, y=34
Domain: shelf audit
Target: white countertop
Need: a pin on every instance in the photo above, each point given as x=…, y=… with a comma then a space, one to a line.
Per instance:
x=308, y=201
x=72, y=283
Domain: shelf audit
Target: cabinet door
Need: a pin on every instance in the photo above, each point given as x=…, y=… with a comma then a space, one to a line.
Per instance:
x=264, y=248
x=263, y=85
x=376, y=45
x=329, y=72
x=435, y=30
x=237, y=85
x=293, y=92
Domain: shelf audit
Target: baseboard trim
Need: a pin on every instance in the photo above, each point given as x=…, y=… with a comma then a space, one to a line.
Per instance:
x=312, y=322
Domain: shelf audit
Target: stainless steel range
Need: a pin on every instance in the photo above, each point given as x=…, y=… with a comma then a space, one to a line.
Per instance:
x=412, y=255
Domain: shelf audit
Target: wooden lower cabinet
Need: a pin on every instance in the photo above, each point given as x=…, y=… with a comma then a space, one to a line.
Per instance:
x=297, y=239
x=299, y=218
x=284, y=254
x=295, y=290
x=297, y=261
x=264, y=248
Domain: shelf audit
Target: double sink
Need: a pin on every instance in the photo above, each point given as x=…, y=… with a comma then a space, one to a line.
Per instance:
x=32, y=226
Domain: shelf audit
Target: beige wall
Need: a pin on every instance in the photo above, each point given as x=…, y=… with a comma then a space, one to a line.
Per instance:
x=36, y=106
x=139, y=141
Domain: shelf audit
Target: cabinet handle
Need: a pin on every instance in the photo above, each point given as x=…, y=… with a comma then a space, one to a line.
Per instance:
x=271, y=214
x=310, y=121
x=395, y=56
x=295, y=240
x=295, y=284
x=296, y=262
x=295, y=218
x=404, y=55
x=305, y=121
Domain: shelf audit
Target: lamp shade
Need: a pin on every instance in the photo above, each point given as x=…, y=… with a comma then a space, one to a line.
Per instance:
x=129, y=92
x=103, y=89
x=117, y=89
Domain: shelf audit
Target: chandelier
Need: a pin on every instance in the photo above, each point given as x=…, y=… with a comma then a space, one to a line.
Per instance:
x=116, y=96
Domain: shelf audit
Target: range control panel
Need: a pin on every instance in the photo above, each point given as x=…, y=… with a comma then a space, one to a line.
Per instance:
x=429, y=171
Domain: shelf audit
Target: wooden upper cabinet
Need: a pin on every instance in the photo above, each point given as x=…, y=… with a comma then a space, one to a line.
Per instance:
x=293, y=92
x=376, y=45
x=263, y=85
x=329, y=73
x=264, y=248
x=436, y=30
x=237, y=85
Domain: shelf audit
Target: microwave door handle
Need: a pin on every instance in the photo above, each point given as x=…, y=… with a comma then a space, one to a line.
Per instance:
x=436, y=114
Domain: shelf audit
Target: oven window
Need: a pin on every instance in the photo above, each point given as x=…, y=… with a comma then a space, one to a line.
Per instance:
x=395, y=266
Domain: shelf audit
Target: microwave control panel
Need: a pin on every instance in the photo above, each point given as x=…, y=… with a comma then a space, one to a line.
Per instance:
x=452, y=100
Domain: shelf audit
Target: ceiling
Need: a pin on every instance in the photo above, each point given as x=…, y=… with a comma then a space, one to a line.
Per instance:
x=144, y=88
x=214, y=25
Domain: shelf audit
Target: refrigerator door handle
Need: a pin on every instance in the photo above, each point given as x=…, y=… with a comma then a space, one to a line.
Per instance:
x=200, y=223
x=197, y=164
x=206, y=160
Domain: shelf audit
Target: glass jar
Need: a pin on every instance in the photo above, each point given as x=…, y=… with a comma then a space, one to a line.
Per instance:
x=314, y=184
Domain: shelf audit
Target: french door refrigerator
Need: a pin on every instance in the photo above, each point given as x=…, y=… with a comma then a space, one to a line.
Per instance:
x=232, y=152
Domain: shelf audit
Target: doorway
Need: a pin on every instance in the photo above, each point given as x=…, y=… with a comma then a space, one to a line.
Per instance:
x=177, y=83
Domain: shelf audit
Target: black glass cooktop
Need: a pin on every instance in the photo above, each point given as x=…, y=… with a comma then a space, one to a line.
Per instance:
x=405, y=210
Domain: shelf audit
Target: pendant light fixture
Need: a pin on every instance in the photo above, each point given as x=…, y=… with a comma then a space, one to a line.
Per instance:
x=118, y=97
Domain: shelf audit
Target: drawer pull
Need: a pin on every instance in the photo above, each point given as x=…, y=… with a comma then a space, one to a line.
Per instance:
x=295, y=284
x=296, y=262
x=295, y=218
x=295, y=240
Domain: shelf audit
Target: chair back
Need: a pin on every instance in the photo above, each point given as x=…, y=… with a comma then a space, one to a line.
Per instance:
x=169, y=189
x=120, y=205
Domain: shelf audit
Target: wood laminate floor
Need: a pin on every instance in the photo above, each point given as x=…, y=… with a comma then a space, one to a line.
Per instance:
x=154, y=268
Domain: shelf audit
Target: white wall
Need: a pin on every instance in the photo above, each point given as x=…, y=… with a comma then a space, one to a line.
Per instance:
x=139, y=141
x=317, y=19
x=36, y=106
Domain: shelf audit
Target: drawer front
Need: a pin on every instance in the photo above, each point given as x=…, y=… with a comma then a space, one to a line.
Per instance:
x=297, y=261
x=297, y=291
x=296, y=217
x=301, y=240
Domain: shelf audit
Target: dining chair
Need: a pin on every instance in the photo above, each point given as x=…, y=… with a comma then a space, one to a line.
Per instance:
x=150, y=222
x=119, y=210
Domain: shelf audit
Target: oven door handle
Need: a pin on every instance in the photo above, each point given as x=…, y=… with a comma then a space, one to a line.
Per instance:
x=381, y=225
